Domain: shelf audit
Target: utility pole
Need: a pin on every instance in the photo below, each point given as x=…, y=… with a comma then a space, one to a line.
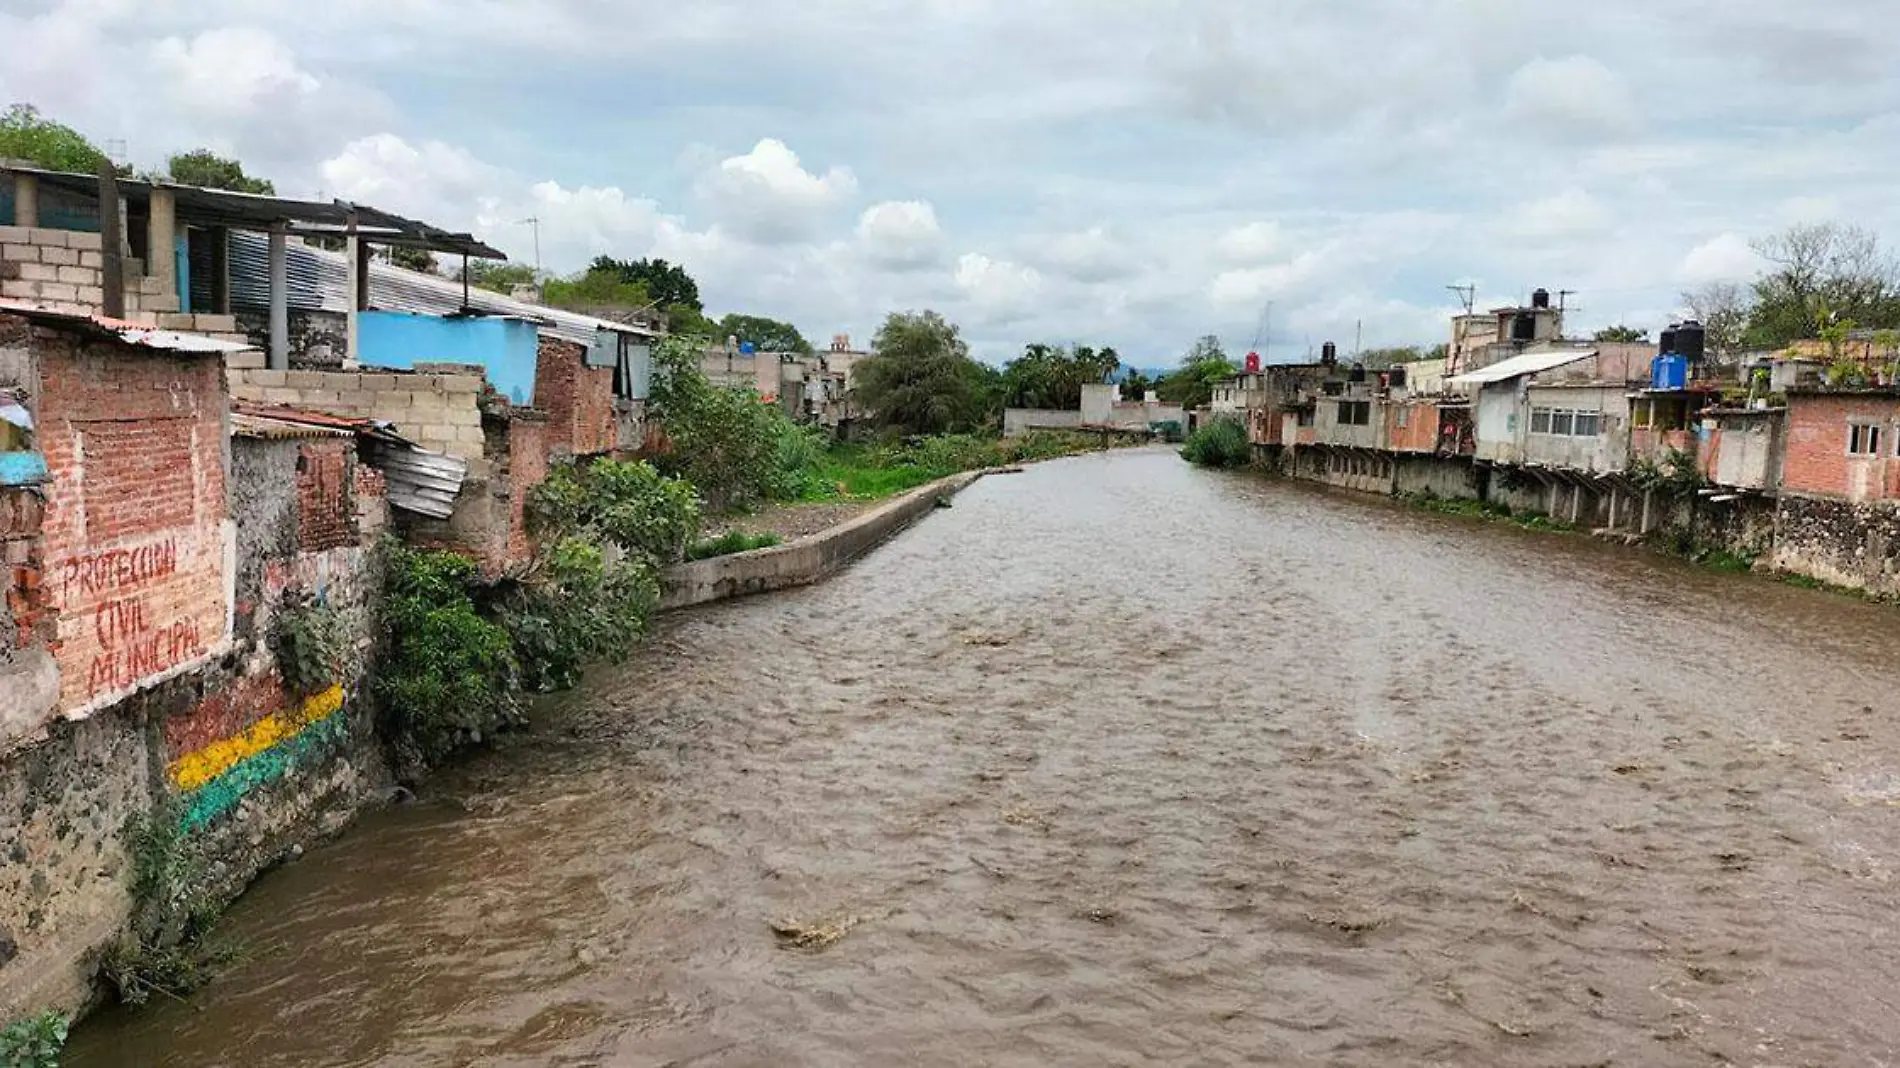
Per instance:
x=1358, y=339
x=1467, y=296
x=535, y=222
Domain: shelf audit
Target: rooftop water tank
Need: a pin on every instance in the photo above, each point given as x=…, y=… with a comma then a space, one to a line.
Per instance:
x=1691, y=341
x=1669, y=371
x=1666, y=344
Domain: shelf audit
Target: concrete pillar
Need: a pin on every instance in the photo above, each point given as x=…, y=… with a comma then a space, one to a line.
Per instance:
x=26, y=200
x=1576, y=504
x=1642, y=526
x=280, y=301
x=354, y=254
x=220, y=239
x=1614, y=498
x=161, y=243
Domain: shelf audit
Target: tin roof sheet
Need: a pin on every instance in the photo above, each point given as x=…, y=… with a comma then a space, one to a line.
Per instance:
x=129, y=333
x=1528, y=363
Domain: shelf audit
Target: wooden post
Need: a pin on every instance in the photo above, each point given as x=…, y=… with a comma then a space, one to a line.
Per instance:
x=111, y=243
x=220, y=238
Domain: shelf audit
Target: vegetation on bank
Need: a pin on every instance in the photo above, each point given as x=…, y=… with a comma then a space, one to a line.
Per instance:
x=34, y=1042
x=1218, y=443
x=732, y=541
x=1490, y=511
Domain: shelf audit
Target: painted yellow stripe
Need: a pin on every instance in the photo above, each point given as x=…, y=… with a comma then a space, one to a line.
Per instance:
x=193, y=770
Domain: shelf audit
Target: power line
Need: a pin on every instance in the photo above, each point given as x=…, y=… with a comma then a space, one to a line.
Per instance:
x=1467, y=295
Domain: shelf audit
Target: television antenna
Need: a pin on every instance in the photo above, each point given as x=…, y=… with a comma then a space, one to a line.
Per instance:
x=1262, y=332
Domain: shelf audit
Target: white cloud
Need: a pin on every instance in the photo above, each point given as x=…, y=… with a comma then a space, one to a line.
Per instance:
x=900, y=234
x=1251, y=243
x=1576, y=96
x=998, y=291
x=232, y=70
x=1723, y=258
x=768, y=197
x=1569, y=214
x=387, y=171
x=1091, y=255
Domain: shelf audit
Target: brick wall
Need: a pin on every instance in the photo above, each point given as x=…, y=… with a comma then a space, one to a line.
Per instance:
x=135, y=526
x=528, y=437
x=579, y=399
x=1817, y=461
x=326, y=514
x=440, y=412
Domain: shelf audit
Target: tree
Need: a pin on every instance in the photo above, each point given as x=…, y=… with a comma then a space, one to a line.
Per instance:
x=1380, y=359
x=667, y=284
x=1135, y=384
x=687, y=320
x=767, y=335
x=201, y=167
x=1619, y=332
x=414, y=259
x=1192, y=384
x=496, y=276
x=1820, y=273
x=920, y=378
x=596, y=287
x=1052, y=377
x=27, y=135
x=1723, y=309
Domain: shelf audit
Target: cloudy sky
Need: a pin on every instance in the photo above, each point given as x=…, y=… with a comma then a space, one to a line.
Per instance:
x=1131, y=172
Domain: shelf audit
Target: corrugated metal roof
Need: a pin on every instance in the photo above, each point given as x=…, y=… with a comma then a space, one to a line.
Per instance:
x=129, y=333
x=200, y=205
x=318, y=280
x=1528, y=363
x=420, y=481
x=244, y=425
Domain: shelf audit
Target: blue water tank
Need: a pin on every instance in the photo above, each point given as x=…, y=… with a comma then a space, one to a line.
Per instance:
x=1669, y=371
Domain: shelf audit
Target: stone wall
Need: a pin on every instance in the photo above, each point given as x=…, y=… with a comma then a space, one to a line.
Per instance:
x=440, y=412
x=319, y=340
x=64, y=270
x=1847, y=544
x=1020, y=421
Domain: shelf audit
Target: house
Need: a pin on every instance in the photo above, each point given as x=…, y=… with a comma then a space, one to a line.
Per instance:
x=1843, y=444
x=160, y=254
x=1742, y=448
x=1480, y=339
x=409, y=317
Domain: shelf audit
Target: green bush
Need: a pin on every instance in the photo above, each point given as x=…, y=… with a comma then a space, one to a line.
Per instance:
x=732, y=541
x=451, y=676
x=726, y=442
x=167, y=948
x=1218, y=443
x=308, y=640
x=34, y=1042
x=630, y=505
x=577, y=607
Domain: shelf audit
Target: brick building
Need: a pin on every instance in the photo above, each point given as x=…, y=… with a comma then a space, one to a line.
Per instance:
x=1844, y=444
x=577, y=397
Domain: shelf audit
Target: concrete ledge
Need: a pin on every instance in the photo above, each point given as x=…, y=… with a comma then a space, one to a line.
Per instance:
x=804, y=561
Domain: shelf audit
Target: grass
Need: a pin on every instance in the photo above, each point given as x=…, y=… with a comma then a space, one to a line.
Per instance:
x=869, y=472
x=1489, y=511
x=732, y=541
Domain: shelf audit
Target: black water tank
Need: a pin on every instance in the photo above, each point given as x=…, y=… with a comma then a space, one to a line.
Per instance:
x=1395, y=376
x=1691, y=341
x=1540, y=298
x=1524, y=327
x=1667, y=343
x=1329, y=354
x=1358, y=373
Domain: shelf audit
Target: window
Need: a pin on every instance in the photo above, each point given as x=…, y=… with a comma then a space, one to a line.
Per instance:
x=1863, y=439
x=1355, y=413
x=1561, y=422
x=1540, y=420
x=1405, y=416
x=1587, y=423
x=1306, y=417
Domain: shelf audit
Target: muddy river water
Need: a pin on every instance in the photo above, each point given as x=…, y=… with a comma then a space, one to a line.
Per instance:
x=1121, y=762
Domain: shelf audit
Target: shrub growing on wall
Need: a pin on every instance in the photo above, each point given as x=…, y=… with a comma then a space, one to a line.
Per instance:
x=451, y=676
x=308, y=639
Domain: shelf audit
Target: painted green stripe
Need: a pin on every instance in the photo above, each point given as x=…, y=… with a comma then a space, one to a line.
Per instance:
x=222, y=794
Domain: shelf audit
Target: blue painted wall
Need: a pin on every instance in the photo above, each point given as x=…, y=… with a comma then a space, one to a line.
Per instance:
x=506, y=347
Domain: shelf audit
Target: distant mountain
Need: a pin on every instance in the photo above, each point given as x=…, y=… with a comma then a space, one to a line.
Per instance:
x=1121, y=374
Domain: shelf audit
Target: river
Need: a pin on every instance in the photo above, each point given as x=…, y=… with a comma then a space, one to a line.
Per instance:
x=1122, y=762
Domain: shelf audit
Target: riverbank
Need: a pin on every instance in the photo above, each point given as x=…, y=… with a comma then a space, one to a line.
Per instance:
x=808, y=558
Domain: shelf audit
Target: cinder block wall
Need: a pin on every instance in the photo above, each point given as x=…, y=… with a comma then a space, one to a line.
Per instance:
x=65, y=270
x=440, y=412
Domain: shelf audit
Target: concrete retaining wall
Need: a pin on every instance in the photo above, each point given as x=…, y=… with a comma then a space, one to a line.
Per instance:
x=803, y=561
